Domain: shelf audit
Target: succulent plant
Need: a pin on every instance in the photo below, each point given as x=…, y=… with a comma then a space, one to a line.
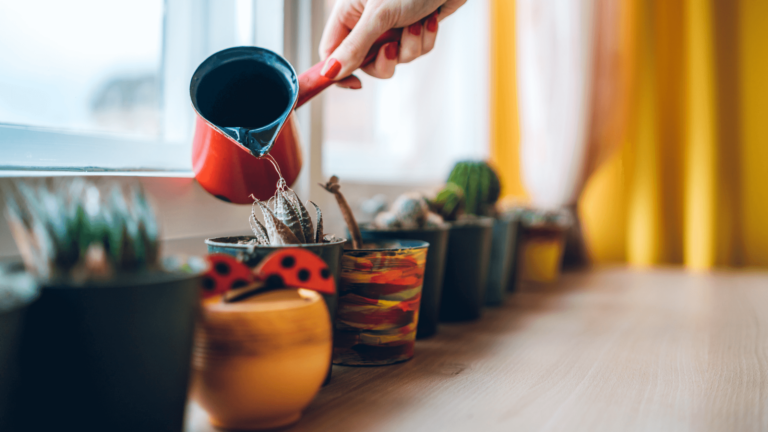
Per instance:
x=409, y=211
x=287, y=221
x=72, y=229
x=449, y=202
x=480, y=184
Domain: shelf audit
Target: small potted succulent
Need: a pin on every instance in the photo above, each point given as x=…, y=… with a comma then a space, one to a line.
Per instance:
x=109, y=341
x=467, y=201
x=379, y=295
x=542, y=243
x=410, y=218
x=17, y=291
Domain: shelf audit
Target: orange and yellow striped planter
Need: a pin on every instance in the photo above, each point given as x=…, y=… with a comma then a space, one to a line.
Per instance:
x=379, y=297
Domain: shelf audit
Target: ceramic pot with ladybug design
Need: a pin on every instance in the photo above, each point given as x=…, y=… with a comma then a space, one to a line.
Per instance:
x=112, y=355
x=379, y=299
x=260, y=361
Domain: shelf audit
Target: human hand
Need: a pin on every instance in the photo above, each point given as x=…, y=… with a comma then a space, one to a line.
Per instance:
x=354, y=25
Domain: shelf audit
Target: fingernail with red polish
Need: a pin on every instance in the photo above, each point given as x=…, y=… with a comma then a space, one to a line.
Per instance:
x=415, y=29
x=332, y=69
x=391, y=50
x=432, y=23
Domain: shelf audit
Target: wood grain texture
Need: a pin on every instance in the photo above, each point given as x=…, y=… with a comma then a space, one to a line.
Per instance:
x=606, y=350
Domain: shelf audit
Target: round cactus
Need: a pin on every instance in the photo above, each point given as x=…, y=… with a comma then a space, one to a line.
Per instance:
x=433, y=220
x=480, y=184
x=386, y=220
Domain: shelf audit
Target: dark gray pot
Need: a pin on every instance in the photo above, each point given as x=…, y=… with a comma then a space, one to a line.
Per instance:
x=252, y=256
x=429, y=311
x=515, y=253
x=466, y=269
x=12, y=311
x=500, y=268
x=111, y=356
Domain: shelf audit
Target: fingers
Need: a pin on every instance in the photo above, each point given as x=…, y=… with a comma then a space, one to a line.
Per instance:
x=411, y=42
x=430, y=33
x=352, y=50
x=386, y=60
x=334, y=32
x=350, y=82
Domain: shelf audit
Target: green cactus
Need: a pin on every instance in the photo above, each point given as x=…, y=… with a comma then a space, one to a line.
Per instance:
x=481, y=186
x=449, y=202
x=70, y=229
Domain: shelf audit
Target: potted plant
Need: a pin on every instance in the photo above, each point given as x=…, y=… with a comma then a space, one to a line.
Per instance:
x=17, y=291
x=410, y=218
x=263, y=345
x=379, y=295
x=109, y=341
x=542, y=242
x=472, y=272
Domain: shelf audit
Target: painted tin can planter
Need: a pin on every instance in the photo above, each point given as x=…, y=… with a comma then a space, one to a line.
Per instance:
x=113, y=355
x=499, y=269
x=379, y=299
x=466, y=269
x=429, y=311
x=17, y=291
x=258, y=363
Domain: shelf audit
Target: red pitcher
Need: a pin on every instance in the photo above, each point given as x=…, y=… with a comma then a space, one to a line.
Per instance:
x=244, y=98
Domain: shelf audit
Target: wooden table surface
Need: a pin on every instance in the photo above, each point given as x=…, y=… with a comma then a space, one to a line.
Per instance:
x=605, y=350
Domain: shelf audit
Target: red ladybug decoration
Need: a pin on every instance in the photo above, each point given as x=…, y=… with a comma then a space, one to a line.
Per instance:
x=224, y=274
x=296, y=268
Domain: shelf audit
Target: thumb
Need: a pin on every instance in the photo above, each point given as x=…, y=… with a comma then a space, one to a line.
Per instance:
x=350, y=54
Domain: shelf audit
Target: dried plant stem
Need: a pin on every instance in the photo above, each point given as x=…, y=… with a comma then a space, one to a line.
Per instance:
x=333, y=187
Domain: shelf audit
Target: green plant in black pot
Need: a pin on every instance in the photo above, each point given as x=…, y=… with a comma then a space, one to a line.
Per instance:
x=410, y=218
x=109, y=341
x=480, y=184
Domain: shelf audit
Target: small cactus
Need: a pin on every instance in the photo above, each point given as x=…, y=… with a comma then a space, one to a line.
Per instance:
x=480, y=184
x=449, y=202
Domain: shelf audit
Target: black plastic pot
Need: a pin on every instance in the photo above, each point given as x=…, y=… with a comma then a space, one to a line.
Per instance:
x=466, y=269
x=499, y=269
x=17, y=292
x=429, y=311
x=109, y=356
x=514, y=252
x=253, y=254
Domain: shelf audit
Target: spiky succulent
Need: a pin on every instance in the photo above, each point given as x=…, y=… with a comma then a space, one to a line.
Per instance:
x=409, y=211
x=480, y=184
x=286, y=220
x=70, y=228
x=449, y=202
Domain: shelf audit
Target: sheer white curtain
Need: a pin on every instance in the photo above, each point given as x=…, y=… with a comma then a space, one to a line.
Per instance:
x=413, y=127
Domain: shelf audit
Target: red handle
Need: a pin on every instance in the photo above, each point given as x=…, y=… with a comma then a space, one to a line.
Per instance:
x=311, y=82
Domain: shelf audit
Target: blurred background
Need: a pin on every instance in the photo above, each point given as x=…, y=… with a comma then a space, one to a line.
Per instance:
x=647, y=117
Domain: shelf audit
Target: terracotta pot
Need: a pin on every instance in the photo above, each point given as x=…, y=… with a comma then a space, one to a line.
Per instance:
x=379, y=299
x=258, y=363
x=429, y=311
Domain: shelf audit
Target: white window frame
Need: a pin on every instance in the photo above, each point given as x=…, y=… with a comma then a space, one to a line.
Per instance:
x=191, y=30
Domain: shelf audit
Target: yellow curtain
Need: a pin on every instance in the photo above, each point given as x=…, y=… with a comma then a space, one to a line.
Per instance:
x=690, y=183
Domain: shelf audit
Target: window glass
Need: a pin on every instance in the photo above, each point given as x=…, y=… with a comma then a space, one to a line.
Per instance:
x=85, y=65
x=414, y=127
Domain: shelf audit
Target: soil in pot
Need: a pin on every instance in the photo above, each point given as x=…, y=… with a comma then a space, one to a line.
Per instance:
x=379, y=298
x=108, y=356
x=466, y=269
x=429, y=311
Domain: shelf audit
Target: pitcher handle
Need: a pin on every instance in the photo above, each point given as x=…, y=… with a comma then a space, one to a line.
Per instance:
x=311, y=82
